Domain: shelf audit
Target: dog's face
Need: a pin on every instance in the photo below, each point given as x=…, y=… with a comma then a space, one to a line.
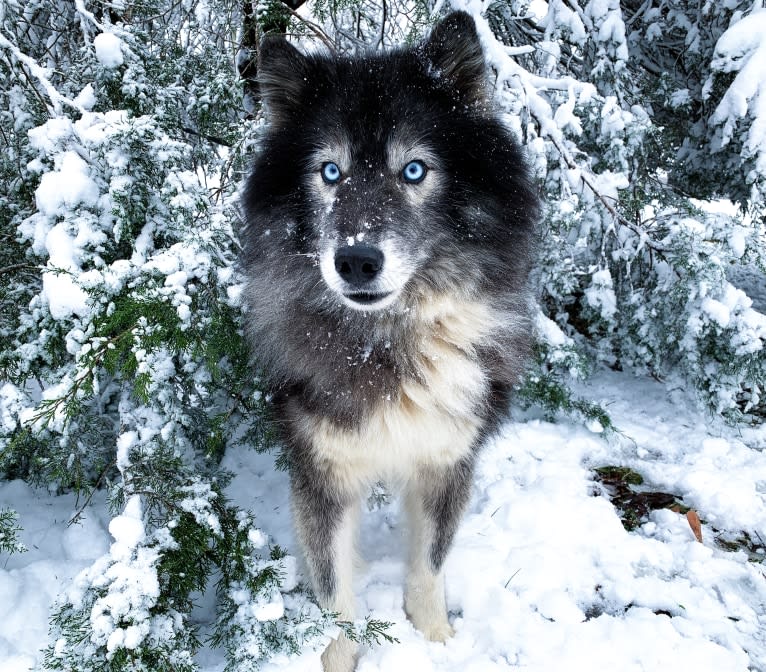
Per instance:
x=367, y=232
x=374, y=167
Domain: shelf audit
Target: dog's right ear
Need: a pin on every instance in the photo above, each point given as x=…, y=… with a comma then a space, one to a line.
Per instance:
x=282, y=71
x=453, y=50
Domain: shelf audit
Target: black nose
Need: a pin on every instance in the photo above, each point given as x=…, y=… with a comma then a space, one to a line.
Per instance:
x=358, y=264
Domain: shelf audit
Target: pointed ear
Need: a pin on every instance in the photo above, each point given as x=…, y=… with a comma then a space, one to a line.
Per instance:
x=454, y=52
x=282, y=71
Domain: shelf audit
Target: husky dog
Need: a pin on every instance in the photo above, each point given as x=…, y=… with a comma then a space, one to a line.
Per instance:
x=388, y=243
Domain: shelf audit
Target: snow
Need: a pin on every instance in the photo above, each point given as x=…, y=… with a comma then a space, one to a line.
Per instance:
x=549, y=331
x=717, y=311
x=271, y=611
x=53, y=134
x=600, y=295
x=65, y=188
x=198, y=503
x=257, y=538
x=127, y=529
x=742, y=49
x=30, y=582
x=60, y=289
x=542, y=576
x=86, y=99
x=108, y=50
x=11, y=403
x=125, y=442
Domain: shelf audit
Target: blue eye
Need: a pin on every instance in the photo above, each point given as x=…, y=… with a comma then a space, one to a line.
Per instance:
x=330, y=172
x=414, y=172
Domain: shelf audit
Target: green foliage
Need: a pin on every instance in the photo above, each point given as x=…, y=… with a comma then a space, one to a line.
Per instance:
x=130, y=609
x=250, y=632
x=620, y=474
x=547, y=385
x=368, y=632
x=9, y=532
x=123, y=361
x=554, y=397
x=273, y=16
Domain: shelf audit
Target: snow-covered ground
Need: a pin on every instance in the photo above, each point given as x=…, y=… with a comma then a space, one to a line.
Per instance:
x=543, y=575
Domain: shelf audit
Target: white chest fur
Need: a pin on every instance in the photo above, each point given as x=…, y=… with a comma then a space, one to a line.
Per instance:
x=434, y=419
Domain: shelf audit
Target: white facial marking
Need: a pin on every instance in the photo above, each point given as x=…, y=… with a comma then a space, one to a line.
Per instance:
x=400, y=151
x=398, y=267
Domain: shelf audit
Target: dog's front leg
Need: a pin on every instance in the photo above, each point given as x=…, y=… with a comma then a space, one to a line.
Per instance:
x=326, y=521
x=436, y=499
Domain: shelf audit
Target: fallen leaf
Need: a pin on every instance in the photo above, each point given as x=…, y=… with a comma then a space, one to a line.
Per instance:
x=695, y=524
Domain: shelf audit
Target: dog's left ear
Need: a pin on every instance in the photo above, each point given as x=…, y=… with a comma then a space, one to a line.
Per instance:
x=454, y=52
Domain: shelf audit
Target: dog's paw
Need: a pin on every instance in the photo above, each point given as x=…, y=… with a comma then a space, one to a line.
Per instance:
x=430, y=618
x=437, y=632
x=339, y=656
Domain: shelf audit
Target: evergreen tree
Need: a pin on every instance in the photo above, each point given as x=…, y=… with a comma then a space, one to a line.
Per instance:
x=123, y=362
x=9, y=531
x=632, y=112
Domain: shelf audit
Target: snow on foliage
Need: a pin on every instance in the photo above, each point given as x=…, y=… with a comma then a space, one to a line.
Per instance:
x=9, y=531
x=629, y=258
x=125, y=365
x=742, y=50
x=108, y=50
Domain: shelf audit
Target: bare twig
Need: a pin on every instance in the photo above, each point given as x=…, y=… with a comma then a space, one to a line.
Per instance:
x=35, y=70
x=314, y=28
x=589, y=181
x=382, y=26
x=78, y=514
x=210, y=138
x=19, y=267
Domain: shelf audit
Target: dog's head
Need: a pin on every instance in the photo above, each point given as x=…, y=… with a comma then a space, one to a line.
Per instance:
x=390, y=172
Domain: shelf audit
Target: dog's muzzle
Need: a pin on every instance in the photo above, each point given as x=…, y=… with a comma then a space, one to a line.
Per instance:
x=359, y=266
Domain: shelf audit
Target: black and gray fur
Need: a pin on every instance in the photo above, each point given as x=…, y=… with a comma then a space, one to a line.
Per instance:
x=391, y=314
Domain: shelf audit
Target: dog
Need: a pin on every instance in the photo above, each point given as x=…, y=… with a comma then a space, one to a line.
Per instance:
x=389, y=236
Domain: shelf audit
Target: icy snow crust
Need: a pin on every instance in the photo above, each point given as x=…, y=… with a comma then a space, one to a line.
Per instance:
x=542, y=577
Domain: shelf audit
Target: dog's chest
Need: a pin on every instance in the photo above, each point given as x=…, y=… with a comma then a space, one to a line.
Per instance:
x=435, y=416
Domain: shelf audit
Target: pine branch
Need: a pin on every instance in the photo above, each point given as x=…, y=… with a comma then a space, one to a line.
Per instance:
x=13, y=268
x=210, y=138
x=314, y=28
x=26, y=63
x=589, y=181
